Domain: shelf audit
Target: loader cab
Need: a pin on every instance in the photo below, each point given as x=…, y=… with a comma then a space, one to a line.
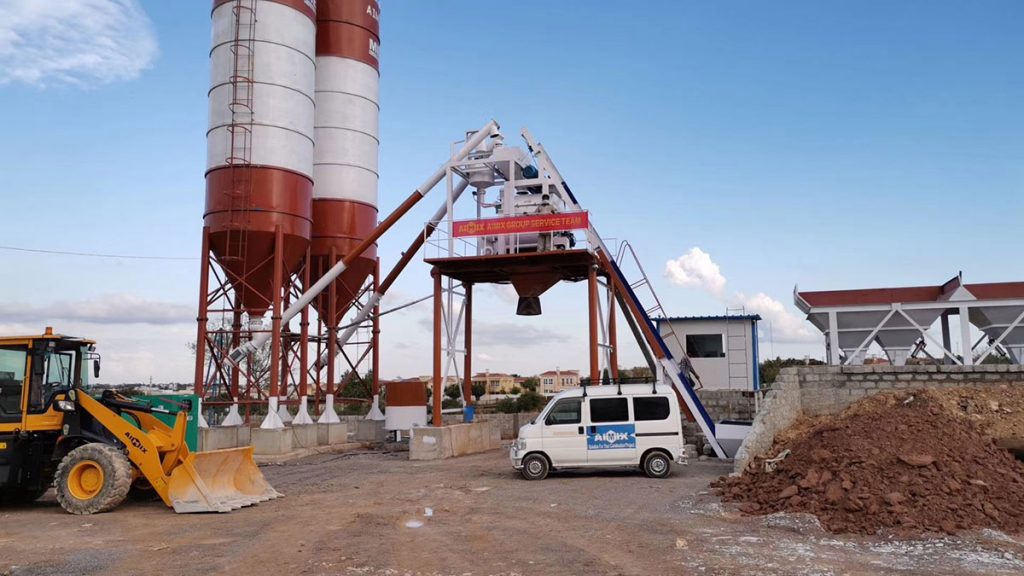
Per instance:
x=33, y=370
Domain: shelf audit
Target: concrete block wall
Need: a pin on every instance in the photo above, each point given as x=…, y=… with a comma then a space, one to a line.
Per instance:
x=507, y=424
x=780, y=408
x=728, y=404
x=830, y=389
x=827, y=390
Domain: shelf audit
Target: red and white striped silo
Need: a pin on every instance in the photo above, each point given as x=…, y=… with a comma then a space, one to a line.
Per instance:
x=347, y=142
x=259, y=176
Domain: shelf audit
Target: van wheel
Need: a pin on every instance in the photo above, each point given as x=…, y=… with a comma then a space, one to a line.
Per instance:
x=657, y=465
x=535, y=467
x=93, y=478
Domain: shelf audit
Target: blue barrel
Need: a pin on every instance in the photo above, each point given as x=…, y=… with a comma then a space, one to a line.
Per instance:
x=468, y=412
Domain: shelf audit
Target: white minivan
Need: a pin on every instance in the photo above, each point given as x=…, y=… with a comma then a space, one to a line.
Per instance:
x=603, y=426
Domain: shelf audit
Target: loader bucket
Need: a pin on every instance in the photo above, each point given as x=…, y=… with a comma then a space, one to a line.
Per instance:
x=218, y=481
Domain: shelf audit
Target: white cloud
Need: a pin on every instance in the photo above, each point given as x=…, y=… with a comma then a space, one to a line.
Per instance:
x=508, y=334
x=785, y=326
x=696, y=269
x=77, y=42
x=131, y=353
x=109, y=309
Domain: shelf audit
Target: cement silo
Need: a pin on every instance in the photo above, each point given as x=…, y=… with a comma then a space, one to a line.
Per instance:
x=259, y=187
x=259, y=174
x=346, y=134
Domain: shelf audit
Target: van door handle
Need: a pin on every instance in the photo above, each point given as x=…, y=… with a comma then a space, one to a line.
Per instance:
x=580, y=430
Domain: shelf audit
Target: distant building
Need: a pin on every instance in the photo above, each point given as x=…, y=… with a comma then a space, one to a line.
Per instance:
x=554, y=381
x=428, y=381
x=723, y=349
x=497, y=383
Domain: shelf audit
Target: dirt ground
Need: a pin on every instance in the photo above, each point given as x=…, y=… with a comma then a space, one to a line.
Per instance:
x=352, y=514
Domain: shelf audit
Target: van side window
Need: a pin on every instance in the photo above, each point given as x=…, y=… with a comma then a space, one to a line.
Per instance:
x=609, y=410
x=566, y=411
x=650, y=408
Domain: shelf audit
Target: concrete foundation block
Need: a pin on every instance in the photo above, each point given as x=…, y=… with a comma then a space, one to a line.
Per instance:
x=370, y=431
x=330, y=434
x=244, y=435
x=272, y=442
x=434, y=443
x=304, y=436
x=219, y=438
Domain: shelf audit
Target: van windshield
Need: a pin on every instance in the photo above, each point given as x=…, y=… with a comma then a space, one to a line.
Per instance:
x=566, y=411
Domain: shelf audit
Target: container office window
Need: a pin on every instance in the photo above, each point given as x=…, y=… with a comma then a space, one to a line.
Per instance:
x=704, y=346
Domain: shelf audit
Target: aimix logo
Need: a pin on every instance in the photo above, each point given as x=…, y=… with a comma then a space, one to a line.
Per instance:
x=611, y=437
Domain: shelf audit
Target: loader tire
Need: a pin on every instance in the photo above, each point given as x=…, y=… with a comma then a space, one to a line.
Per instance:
x=93, y=478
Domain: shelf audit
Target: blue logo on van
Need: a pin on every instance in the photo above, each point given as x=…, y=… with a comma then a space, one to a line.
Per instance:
x=612, y=436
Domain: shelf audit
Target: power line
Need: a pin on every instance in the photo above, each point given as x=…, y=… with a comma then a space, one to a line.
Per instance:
x=94, y=254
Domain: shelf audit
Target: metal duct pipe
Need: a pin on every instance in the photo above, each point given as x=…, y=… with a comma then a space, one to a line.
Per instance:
x=488, y=130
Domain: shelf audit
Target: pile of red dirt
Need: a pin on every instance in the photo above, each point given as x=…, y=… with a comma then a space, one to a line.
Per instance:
x=900, y=462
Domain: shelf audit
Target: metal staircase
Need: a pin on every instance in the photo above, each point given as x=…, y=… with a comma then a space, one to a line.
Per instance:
x=678, y=371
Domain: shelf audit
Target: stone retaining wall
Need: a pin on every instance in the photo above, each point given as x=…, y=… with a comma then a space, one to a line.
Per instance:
x=825, y=390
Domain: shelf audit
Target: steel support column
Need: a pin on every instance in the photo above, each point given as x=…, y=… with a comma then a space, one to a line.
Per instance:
x=595, y=370
x=467, y=367
x=375, y=340
x=967, y=355
x=947, y=341
x=275, y=325
x=438, y=389
x=201, y=317
x=613, y=340
x=304, y=337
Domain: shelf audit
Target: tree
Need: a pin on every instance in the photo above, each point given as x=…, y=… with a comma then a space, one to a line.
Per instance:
x=636, y=374
x=453, y=391
x=531, y=383
x=515, y=390
x=507, y=406
x=530, y=401
x=479, y=390
x=256, y=364
x=357, y=386
x=769, y=369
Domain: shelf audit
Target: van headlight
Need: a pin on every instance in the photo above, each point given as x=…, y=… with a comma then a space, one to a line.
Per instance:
x=519, y=445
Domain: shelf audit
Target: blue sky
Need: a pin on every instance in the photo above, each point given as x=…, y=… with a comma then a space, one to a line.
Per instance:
x=830, y=144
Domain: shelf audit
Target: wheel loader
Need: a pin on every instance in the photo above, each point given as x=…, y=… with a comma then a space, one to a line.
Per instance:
x=94, y=452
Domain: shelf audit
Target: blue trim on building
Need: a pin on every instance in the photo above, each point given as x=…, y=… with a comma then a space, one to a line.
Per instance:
x=755, y=317
x=757, y=357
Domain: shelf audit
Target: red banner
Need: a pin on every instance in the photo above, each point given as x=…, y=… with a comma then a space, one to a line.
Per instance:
x=521, y=224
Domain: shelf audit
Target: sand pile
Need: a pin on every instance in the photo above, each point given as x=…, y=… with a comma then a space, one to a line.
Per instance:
x=906, y=462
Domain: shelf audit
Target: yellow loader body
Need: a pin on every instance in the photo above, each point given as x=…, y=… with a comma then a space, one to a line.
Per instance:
x=214, y=481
